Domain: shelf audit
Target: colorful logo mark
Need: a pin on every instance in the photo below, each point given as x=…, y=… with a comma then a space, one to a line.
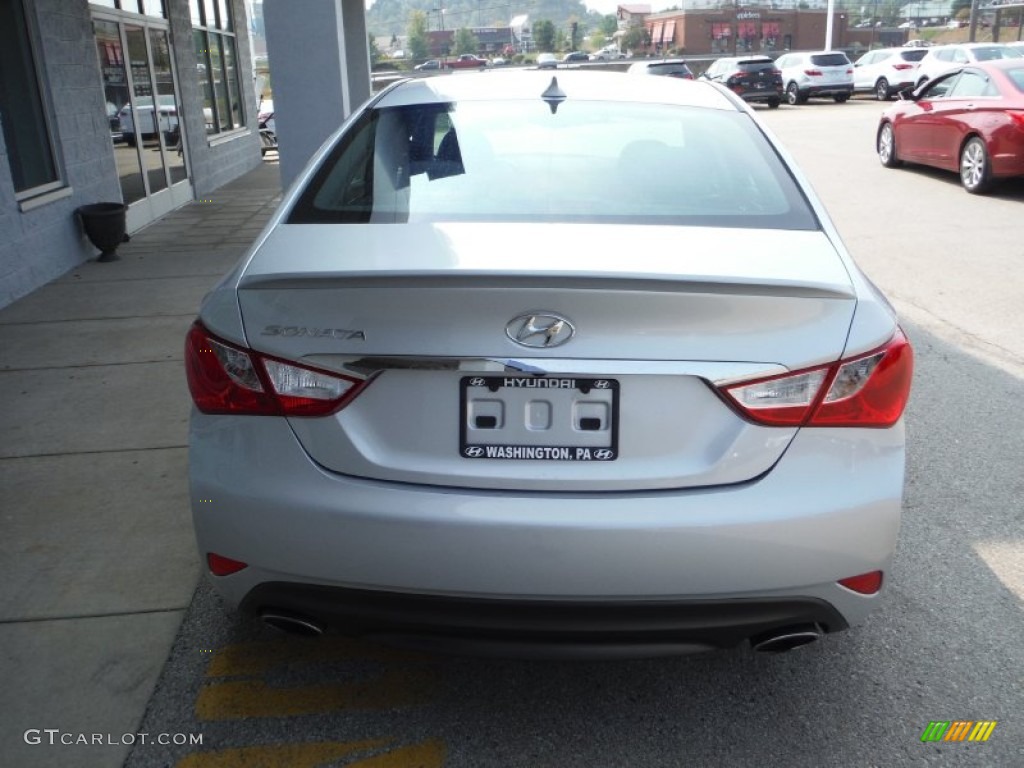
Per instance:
x=958, y=730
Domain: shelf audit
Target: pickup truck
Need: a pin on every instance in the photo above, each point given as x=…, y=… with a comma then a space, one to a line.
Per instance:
x=467, y=61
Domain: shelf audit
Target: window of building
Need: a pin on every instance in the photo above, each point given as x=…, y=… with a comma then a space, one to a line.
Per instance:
x=218, y=71
x=154, y=8
x=26, y=130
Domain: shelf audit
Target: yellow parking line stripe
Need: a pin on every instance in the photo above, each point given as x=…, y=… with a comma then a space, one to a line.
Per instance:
x=232, y=699
x=277, y=755
x=258, y=658
x=429, y=754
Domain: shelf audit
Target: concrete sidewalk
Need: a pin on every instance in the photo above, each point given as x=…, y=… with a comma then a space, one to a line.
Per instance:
x=97, y=556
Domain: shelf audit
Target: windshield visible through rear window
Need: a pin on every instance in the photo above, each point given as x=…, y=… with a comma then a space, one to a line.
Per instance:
x=829, y=60
x=1017, y=78
x=584, y=161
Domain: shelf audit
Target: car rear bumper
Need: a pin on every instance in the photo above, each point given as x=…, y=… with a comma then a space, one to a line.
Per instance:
x=829, y=510
x=827, y=90
x=768, y=94
x=539, y=627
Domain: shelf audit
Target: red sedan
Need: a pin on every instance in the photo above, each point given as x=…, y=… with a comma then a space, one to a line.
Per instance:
x=970, y=120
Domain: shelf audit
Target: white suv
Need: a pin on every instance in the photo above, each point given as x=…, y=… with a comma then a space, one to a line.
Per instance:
x=816, y=73
x=943, y=58
x=887, y=71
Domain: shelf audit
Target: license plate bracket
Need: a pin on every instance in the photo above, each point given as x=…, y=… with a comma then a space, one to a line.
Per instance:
x=539, y=418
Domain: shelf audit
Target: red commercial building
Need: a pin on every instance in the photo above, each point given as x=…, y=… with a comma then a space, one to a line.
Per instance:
x=738, y=30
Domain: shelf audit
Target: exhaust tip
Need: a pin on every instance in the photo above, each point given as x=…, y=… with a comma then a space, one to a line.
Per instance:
x=293, y=625
x=786, y=638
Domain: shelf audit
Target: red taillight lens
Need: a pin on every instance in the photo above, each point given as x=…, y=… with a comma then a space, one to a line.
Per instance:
x=902, y=67
x=226, y=378
x=1016, y=117
x=223, y=566
x=813, y=72
x=865, y=391
x=865, y=584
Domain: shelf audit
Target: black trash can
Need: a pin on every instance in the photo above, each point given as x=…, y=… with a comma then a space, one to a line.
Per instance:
x=106, y=226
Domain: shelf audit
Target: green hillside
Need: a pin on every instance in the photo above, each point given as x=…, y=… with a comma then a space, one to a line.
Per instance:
x=391, y=17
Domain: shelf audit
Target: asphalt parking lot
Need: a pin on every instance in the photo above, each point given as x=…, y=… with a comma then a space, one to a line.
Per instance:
x=945, y=647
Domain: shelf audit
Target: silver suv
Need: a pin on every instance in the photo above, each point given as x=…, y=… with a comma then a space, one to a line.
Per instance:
x=887, y=71
x=816, y=73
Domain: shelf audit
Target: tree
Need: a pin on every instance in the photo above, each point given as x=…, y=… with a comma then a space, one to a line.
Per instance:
x=609, y=25
x=374, y=50
x=961, y=9
x=544, y=35
x=416, y=36
x=635, y=38
x=465, y=42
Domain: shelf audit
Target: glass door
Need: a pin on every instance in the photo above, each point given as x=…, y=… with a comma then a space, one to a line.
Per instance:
x=143, y=108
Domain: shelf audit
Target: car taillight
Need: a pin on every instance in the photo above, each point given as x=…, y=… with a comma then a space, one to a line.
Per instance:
x=1017, y=117
x=813, y=72
x=226, y=378
x=865, y=583
x=869, y=390
x=223, y=566
x=902, y=67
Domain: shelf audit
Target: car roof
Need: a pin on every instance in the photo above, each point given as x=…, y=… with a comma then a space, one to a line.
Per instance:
x=656, y=63
x=1003, y=64
x=530, y=84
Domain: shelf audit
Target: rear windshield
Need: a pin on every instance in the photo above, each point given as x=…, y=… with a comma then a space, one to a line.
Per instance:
x=996, y=52
x=668, y=69
x=914, y=54
x=756, y=65
x=829, y=60
x=585, y=161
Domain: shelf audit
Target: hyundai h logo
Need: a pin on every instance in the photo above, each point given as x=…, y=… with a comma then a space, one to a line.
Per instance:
x=540, y=329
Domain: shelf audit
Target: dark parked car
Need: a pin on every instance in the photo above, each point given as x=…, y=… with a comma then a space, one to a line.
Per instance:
x=969, y=120
x=576, y=56
x=753, y=78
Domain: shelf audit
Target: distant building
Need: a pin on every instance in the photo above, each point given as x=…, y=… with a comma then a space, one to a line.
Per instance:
x=749, y=29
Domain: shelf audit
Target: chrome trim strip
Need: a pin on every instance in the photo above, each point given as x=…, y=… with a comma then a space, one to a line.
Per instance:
x=718, y=373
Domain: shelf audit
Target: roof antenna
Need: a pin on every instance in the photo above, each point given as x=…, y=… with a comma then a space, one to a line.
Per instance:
x=553, y=95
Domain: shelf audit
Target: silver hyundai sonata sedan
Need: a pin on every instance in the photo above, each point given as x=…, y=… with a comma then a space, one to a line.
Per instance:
x=550, y=365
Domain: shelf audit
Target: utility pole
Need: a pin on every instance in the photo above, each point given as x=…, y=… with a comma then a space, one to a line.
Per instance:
x=828, y=24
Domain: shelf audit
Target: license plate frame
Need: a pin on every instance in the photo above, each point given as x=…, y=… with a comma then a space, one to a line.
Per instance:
x=572, y=436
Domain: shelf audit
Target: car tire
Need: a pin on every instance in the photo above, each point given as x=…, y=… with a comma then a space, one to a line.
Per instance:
x=886, y=146
x=841, y=98
x=773, y=103
x=882, y=90
x=793, y=95
x=975, y=167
